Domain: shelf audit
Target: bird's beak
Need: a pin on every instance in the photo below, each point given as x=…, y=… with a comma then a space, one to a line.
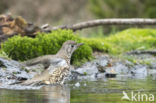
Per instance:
x=79, y=44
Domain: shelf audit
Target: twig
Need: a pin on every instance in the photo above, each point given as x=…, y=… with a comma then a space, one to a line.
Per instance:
x=114, y=21
x=31, y=29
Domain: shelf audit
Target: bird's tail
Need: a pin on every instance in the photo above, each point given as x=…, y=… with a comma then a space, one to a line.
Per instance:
x=27, y=83
x=19, y=82
x=32, y=83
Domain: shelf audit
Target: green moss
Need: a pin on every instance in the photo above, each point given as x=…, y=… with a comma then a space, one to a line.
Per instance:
x=23, y=48
x=127, y=40
x=4, y=55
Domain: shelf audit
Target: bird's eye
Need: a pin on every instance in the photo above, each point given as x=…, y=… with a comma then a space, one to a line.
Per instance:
x=72, y=46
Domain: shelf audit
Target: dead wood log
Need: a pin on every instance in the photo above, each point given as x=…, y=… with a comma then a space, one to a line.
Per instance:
x=18, y=25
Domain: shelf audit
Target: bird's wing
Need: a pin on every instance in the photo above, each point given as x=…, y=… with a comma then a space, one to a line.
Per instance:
x=37, y=60
x=55, y=64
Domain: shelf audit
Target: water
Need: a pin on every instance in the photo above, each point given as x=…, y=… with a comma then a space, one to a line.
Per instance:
x=101, y=91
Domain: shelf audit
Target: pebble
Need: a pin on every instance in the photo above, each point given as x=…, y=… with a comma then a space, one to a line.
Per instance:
x=77, y=84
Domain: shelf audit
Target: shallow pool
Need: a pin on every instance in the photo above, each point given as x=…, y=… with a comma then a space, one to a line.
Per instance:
x=109, y=90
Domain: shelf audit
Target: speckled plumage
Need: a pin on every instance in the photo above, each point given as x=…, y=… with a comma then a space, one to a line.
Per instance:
x=57, y=66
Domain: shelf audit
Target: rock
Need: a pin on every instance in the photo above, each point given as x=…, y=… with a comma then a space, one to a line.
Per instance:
x=100, y=68
x=103, y=67
x=118, y=68
x=153, y=65
x=152, y=72
x=12, y=71
x=110, y=75
x=101, y=63
x=2, y=65
x=139, y=71
x=95, y=66
x=87, y=69
x=88, y=77
x=90, y=70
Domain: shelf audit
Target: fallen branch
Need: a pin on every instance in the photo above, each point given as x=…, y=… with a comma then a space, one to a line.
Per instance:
x=153, y=52
x=99, y=22
x=5, y=37
x=10, y=26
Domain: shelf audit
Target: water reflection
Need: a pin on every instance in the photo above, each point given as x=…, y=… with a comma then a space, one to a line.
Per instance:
x=57, y=94
x=47, y=94
x=109, y=91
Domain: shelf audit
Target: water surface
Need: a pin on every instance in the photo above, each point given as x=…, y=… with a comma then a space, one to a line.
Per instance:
x=100, y=91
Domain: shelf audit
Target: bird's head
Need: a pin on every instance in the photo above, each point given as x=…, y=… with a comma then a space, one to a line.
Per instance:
x=69, y=47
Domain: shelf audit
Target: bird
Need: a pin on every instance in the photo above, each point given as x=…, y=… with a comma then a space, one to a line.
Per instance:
x=57, y=66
